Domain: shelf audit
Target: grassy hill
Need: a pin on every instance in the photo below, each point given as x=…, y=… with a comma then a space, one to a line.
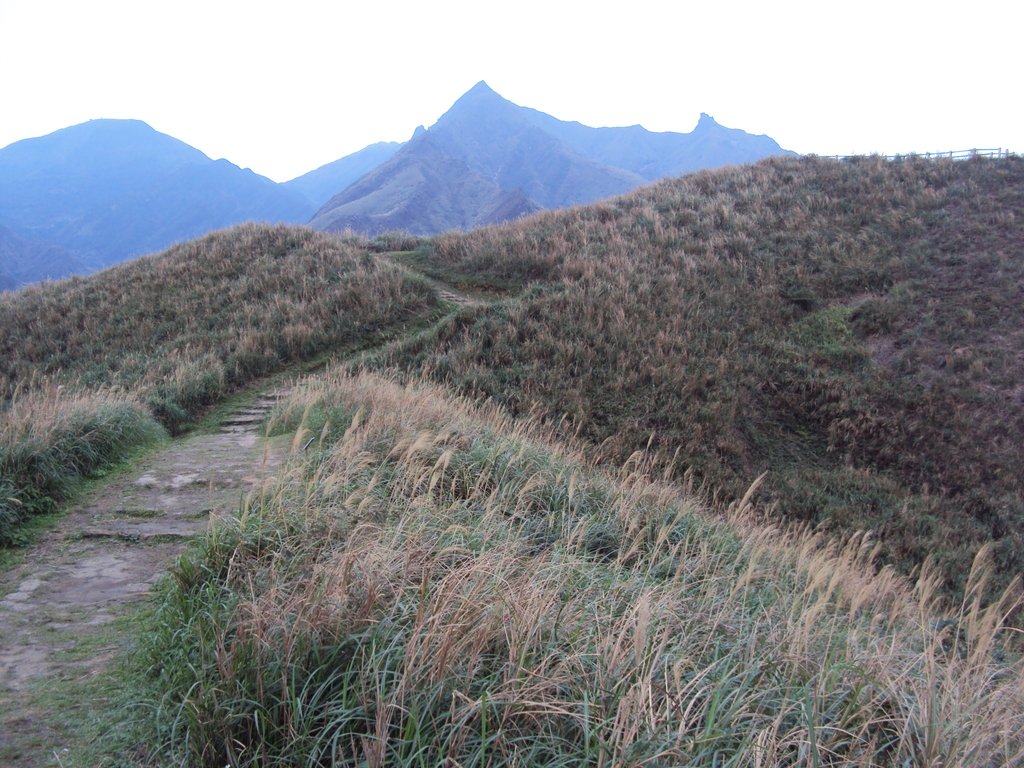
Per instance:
x=437, y=584
x=88, y=364
x=614, y=517
x=852, y=329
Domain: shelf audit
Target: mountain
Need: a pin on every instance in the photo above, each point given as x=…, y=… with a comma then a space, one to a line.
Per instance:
x=29, y=261
x=485, y=144
x=108, y=190
x=320, y=185
x=655, y=155
x=98, y=193
x=422, y=189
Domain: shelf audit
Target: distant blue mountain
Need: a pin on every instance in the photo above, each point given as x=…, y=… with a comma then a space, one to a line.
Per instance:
x=108, y=190
x=98, y=193
x=27, y=261
x=487, y=159
x=322, y=184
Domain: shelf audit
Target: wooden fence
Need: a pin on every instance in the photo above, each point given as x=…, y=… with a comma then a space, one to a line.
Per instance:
x=955, y=154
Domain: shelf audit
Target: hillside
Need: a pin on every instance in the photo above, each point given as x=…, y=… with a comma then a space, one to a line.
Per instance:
x=320, y=185
x=852, y=329
x=607, y=510
x=485, y=147
x=109, y=190
x=85, y=361
x=437, y=584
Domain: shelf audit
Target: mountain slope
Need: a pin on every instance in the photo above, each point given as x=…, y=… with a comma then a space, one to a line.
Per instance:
x=320, y=185
x=550, y=163
x=852, y=329
x=29, y=261
x=421, y=190
x=107, y=190
x=494, y=138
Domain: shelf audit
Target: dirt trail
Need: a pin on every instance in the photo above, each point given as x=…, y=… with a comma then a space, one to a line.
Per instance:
x=444, y=291
x=106, y=553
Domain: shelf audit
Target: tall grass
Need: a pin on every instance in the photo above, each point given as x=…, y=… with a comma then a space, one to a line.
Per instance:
x=850, y=328
x=438, y=584
x=50, y=439
x=176, y=333
x=205, y=317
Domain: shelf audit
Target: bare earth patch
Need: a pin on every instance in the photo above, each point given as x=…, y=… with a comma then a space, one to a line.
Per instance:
x=107, y=552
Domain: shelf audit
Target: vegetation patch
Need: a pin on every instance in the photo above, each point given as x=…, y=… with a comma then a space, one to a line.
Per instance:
x=850, y=328
x=50, y=440
x=90, y=366
x=438, y=584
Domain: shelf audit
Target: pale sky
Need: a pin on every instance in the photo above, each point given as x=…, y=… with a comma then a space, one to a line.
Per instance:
x=284, y=87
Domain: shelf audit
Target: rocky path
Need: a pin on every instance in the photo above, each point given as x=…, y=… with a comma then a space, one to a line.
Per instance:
x=106, y=553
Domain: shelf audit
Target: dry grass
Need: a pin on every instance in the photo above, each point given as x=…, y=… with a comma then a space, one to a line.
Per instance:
x=205, y=317
x=173, y=334
x=853, y=329
x=438, y=584
x=50, y=438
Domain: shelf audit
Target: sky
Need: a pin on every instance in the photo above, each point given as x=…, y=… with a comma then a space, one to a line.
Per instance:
x=284, y=87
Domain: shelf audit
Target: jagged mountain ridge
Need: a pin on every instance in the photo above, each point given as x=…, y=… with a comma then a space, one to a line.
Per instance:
x=550, y=163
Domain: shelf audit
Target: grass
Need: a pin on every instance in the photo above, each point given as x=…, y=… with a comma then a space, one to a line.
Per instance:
x=90, y=366
x=641, y=537
x=438, y=584
x=205, y=318
x=851, y=328
x=51, y=440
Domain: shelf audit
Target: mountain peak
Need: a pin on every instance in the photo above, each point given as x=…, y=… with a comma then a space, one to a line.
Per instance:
x=706, y=121
x=480, y=96
x=482, y=88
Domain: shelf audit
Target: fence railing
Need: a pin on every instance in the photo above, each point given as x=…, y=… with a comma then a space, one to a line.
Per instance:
x=955, y=154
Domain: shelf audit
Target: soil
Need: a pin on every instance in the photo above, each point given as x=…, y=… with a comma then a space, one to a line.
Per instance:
x=109, y=550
